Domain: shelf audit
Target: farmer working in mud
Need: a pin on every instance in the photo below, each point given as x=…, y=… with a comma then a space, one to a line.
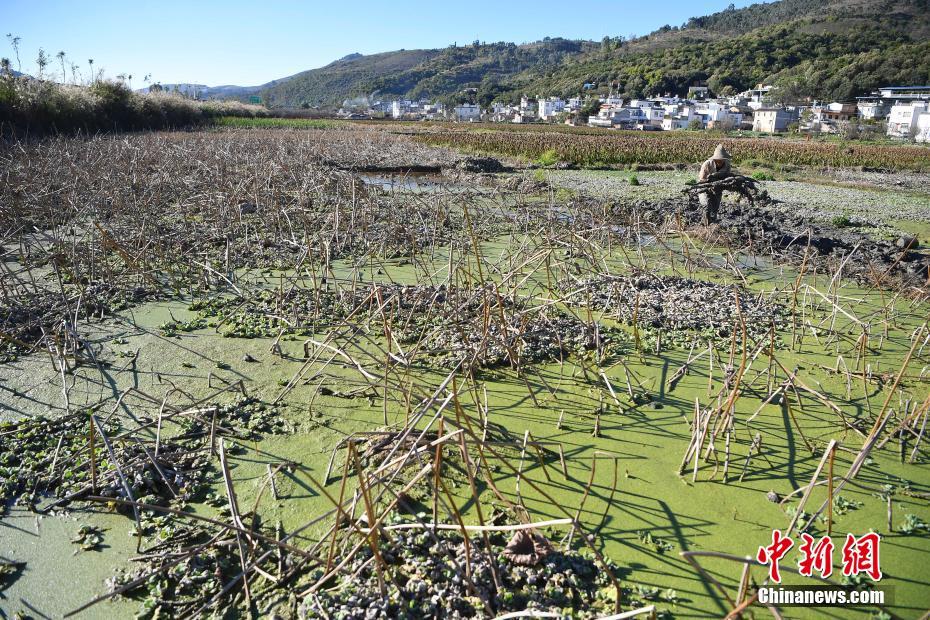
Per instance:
x=714, y=169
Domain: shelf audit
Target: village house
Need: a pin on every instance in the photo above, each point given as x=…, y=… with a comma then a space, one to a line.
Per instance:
x=653, y=116
x=528, y=106
x=675, y=123
x=754, y=98
x=726, y=119
x=773, y=120
x=466, y=112
x=903, y=119
x=501, y=112
x=872, y=109
x=677, y=116
x=549, y=107
x=698, y=91
x=399, y=108
x=923, y=128
x=610, y=116
x=612, y=100
x=404, y=109
x=717, y=115
x=832, y=117
x=877, y=106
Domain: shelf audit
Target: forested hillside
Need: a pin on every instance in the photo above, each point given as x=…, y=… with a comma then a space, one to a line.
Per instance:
x=834, y=49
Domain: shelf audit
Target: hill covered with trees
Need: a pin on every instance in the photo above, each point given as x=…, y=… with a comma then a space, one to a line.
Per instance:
x=830, y=50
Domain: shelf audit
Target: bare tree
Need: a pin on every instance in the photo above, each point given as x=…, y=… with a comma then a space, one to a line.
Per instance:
x=14, y=41
x=61, y=58
x=90, y=62
x=42, y=61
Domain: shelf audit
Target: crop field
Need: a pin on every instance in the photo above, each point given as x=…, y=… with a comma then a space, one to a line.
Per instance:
x=591, y=147
x=328, y=370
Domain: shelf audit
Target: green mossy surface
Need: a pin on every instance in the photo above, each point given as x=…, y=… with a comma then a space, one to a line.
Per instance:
x=643, y=512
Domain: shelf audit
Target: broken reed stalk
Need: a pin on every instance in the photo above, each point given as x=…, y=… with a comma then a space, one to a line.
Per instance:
x=831, y=447
x=92, y=455
x=237, y=521
x=369, y=511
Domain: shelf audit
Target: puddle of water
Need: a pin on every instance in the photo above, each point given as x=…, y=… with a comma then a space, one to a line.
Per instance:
x=55, y=579
x=410, y=182
x=416, y=182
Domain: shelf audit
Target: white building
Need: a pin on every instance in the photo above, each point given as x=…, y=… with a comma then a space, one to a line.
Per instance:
x=674, y=123
x=528, y=106
x=549, y=107
x=755, y=97
x=872, y=109
x=467, y=112
x=415, y=110
x=617, y=116
x=773, y=120
x=653, y=116
x=399, y=108
x=877, y=105
x=905, y=93
x=923, y=128
x=698, y=92
x=903, y=117
x=830, y=118
x=719, y=116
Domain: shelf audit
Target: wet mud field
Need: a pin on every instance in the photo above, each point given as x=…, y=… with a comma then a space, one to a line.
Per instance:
x=336, y=373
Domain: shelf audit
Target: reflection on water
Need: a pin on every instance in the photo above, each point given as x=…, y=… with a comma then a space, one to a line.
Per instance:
x=412, y=181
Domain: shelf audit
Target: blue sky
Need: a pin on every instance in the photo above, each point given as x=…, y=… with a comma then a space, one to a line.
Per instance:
x=248, y=42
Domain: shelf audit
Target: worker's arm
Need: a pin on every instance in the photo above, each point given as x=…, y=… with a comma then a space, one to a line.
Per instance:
x=706, y=172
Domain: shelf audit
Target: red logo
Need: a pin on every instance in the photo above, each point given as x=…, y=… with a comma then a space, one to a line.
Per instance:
x=860, y=555
x=817, y=557
x=774, y=552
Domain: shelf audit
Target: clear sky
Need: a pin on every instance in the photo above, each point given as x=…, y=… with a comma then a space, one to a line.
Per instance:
x=249, y=42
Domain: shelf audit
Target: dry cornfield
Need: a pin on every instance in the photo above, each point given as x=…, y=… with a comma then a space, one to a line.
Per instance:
x=592, y=148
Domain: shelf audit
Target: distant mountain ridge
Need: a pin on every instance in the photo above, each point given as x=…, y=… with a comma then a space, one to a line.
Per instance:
x=203, y=91
x=827, y=49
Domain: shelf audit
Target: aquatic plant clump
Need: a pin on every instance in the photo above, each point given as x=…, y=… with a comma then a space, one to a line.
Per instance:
x=44, y=458
x=449, y=325
x=27, y=321
x=431, y=577
x=535, y=336
x=33, y=461
x=677, y=304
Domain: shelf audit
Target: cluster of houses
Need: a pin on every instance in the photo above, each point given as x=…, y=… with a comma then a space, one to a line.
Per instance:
x=408, y=110
x=695, y=111
x=905, y=110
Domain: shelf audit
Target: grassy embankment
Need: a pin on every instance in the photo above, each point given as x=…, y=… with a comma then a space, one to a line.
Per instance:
x=39, y=107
